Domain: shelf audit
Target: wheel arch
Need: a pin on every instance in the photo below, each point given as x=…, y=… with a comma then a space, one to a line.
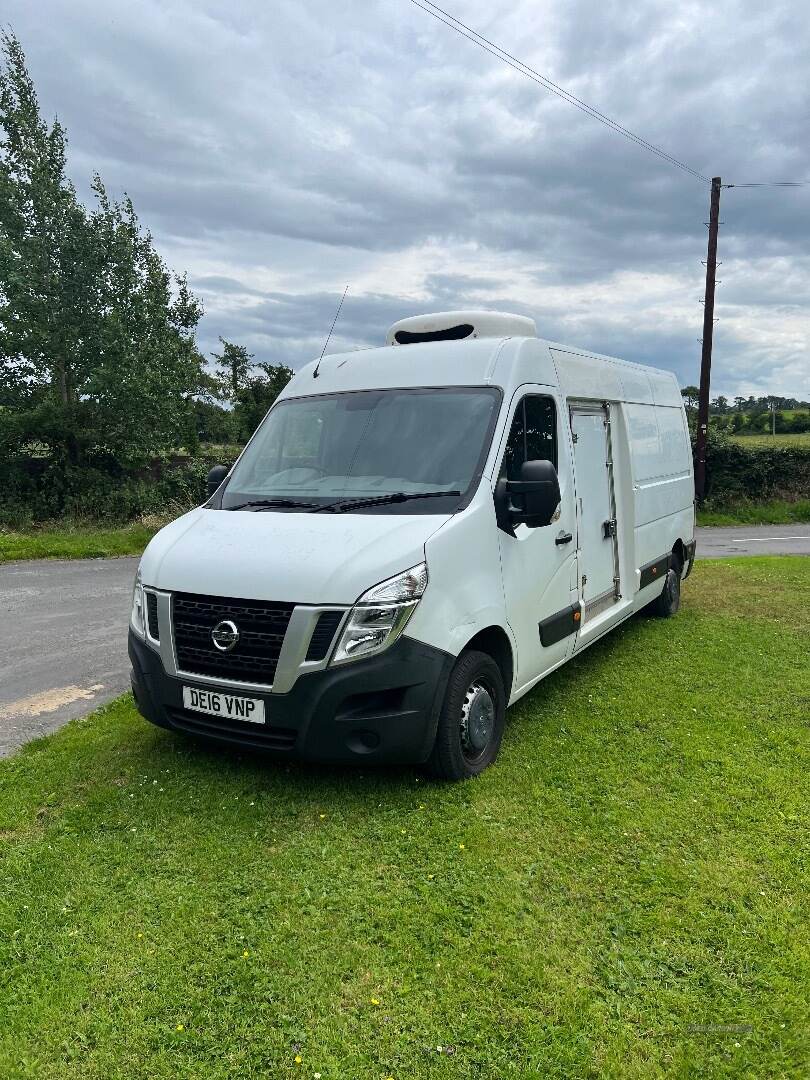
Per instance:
x=679, y=552
x=494, y=641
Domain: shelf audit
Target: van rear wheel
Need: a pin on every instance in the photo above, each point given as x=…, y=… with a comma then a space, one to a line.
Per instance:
x=472, y=719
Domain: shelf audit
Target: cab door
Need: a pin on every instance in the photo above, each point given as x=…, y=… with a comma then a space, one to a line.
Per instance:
x=539, y=565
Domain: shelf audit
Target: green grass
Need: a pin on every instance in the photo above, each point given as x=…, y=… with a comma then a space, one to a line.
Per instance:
x=772, y=512
x=74, y=542
x=623, y=895
x=799, y=438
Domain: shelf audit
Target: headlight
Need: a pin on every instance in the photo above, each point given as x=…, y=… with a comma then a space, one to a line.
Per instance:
x=136, y=617
x=381, y=614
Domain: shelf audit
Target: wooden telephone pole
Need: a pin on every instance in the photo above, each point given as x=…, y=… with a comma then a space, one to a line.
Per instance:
x=706, y=355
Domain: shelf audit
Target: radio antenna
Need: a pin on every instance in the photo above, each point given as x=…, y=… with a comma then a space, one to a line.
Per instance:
x=329, y=335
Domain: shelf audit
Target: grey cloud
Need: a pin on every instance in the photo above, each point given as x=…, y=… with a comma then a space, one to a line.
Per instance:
x=278, y=150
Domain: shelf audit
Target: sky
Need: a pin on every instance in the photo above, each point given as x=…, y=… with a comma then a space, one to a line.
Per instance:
x=280, y=151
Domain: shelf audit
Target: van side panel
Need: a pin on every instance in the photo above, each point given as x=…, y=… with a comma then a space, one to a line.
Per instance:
x=587, y=377
x=663, y=487
x=654, y=483
x=665, y=389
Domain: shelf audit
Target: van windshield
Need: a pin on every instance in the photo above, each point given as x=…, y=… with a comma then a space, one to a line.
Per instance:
x=425, y=446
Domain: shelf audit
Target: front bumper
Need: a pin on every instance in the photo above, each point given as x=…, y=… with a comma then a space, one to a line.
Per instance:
x=384, y=709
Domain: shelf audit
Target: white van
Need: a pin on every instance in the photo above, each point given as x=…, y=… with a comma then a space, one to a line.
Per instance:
x=413, y=538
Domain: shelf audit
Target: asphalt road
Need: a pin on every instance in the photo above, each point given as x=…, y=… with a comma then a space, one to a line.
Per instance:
x=63, y=647
x=63, y=628
x=719, y=543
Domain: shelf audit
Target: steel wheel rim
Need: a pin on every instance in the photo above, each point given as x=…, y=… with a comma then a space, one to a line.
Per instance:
x=477, y=724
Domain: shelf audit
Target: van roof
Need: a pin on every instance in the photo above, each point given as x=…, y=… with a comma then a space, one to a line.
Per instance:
x=505, y=362
x=435, y=363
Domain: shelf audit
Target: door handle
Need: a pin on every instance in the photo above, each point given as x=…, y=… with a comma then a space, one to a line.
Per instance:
x=563, y=538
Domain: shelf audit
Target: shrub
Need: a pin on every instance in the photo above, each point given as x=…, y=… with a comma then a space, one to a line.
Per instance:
x=35, y=490
x=734, y=471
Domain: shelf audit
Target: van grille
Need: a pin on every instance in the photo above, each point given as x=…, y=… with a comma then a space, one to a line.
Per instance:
x=323, y=633
x=152, y=616
x=262, y=625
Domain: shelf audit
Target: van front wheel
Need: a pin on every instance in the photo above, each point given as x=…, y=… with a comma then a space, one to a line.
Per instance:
x=472, y=719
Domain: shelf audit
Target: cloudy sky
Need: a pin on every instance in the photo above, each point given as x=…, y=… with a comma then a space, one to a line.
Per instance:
x=279, y=151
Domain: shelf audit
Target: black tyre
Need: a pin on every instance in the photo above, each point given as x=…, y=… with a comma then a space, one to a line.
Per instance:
x=472, y=719
x=669, y=601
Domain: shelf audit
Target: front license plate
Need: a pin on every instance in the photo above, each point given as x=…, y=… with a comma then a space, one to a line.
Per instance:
x=228, y=705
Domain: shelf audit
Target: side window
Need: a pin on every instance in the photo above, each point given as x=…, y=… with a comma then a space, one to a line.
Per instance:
x=533, y=435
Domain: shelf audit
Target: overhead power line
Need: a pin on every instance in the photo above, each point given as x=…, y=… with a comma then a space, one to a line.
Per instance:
x=714, y=221
x=774, y=183
x=524, y=69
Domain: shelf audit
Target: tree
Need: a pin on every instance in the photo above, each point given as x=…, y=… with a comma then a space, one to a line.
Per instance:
x=720, y=405
x=233, y=367
x=99, y=360
x=41, y=230
x=276, y=377
x=691, y=397
x=257, y=395
x=214, y=423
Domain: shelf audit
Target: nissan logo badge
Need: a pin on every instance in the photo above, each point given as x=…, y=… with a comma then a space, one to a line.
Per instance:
x=225, y=635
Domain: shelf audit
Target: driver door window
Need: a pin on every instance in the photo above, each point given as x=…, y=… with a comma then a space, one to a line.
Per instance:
x=533, y=435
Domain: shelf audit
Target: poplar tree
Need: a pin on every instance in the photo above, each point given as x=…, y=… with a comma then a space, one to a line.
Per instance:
x=98, y=359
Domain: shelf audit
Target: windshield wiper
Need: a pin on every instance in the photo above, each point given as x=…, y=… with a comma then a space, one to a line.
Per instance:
x=342, y=505
x=269, y=504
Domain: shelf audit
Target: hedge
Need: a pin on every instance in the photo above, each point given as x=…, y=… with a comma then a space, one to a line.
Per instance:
x=756, y=472
x=33, y=490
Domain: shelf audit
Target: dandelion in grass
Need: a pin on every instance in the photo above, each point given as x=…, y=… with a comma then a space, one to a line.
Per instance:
x=298, y=1059
x=375, y=1001
x=179, y=1028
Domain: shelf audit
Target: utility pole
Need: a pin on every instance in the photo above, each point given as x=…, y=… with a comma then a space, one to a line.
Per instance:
x=706, y=355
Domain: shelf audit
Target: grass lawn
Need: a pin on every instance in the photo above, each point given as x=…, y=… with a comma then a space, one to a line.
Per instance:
x=773, y=512
x=799, y=438
x=623, y=894
x=74, y=542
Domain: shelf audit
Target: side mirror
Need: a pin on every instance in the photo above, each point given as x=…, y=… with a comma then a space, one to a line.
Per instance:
x=215, y=478
x=531, y=500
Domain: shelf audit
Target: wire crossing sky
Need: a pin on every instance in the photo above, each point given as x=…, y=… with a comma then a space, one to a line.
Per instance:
x=524, y=69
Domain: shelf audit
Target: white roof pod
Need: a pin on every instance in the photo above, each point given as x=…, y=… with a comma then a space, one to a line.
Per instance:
x=455, y=325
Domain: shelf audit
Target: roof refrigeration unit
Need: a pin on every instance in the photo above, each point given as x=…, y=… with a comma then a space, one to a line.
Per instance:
x=456, y=325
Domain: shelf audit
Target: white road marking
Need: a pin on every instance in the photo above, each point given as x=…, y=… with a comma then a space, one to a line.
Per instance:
x=49, y=701
x=765, y=539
